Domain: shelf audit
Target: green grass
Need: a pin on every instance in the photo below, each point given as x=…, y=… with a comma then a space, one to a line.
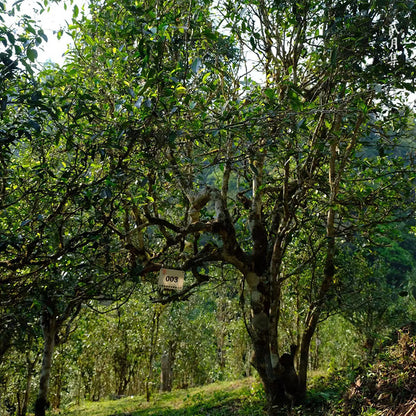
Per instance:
x=235, y=398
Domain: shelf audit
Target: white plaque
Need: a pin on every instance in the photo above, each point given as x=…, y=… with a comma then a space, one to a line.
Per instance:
x=171, y=279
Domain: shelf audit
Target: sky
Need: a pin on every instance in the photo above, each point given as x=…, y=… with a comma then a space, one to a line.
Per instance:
x=51, y=22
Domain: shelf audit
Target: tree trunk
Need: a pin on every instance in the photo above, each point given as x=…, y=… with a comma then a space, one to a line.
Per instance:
x=329, y=272
x=30, y=370
x=280, y=380
x=311, y=324
x=166, y=375
x=314, y=313
x=57, y=397
x=266, y=359
x=152, y=351
x=273, y=385
x=49, y=329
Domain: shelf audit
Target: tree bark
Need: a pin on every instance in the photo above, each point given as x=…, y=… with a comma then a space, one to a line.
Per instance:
x=273, y=385
x=49, y=328
x=266, y=359
x=311, y=324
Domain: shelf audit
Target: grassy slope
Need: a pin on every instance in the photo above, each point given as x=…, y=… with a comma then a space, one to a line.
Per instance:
x=234, y=398
x=237, y=398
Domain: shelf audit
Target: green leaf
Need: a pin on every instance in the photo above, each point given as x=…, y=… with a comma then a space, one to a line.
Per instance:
x=11, y=37
x=43, y=36
x=32, y=54
x=75, y=12
x=205, y=78
x=34, y=125
x=30, y=29
x=269, y=93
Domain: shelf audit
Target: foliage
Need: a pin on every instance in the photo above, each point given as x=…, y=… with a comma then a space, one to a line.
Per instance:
x=372, y=284
x=151, y=149
x=117, y=351
x=337, y=345
x=18, y=373
x=326, y=392
x=19, y=119
x=387, y=386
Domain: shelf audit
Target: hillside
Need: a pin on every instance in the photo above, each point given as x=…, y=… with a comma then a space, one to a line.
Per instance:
x=384, y=388
x=237, y=398
x=387, y=387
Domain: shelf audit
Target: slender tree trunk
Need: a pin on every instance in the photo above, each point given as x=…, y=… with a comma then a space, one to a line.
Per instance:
x=329, y=272
x=166, y=375
x=49, y=329
x=311, y=324
x=153, y=341
x=30, y=371
x=313, y=316
x=122, y=368
x=56, y=404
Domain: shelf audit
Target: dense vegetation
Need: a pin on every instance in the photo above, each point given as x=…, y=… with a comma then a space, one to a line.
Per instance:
x=264, y=148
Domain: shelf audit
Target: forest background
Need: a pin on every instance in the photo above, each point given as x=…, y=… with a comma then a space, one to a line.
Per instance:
x=264, y=148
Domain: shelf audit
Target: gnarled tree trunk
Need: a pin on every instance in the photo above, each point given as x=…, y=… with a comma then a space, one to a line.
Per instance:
x=277, y=373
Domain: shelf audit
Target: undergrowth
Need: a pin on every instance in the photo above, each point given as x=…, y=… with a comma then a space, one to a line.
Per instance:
x=386, y=387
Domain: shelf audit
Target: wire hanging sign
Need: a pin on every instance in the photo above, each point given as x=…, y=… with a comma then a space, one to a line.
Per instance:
x=171, y=279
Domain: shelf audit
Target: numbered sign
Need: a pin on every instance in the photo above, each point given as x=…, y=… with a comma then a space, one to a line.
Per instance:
x=171, y=279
